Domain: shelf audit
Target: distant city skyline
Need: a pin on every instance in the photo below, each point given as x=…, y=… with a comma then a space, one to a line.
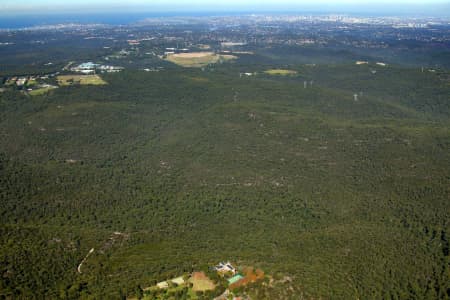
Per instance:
x=48, y=6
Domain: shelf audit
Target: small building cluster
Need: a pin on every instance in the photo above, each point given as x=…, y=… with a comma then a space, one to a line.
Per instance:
x=246, y=74
x=227, y=267
x=91, y=68
x=171, y=50
x=231, y=279
x=21, y=81
x=29, y=83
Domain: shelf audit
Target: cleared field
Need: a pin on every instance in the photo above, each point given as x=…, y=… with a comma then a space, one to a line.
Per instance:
x=31, y=82
x=66, y=80
x=198, y=59
x=201, y=282
x=40, y=91
x=282, y=72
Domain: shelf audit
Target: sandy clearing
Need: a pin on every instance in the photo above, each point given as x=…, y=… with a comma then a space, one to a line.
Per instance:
x=192, y=55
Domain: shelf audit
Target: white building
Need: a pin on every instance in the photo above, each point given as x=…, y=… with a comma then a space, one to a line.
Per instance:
x=223, y=267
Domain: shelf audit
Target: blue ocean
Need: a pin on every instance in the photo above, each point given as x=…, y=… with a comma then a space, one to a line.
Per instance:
x=24, y=21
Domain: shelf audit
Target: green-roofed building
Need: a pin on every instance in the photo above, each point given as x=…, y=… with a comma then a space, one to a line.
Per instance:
x=235, y=278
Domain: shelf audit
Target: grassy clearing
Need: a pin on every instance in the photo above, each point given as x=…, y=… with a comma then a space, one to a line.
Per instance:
x=198, y=79
x=41, y=91
x=66, y=80
x=282, y=72
x=198, y=59
x=31, y=82
x=201, y=282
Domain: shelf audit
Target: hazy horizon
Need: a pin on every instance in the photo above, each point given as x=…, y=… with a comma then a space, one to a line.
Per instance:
x=42, y=7
x=50, y=12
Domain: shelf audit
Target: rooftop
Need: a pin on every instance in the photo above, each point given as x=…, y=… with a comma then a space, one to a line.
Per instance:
x=235, y=279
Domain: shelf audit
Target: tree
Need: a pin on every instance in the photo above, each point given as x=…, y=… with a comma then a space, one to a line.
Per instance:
x=139, y=292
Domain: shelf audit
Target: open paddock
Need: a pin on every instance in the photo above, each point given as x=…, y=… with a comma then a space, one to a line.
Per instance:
x=66, y=80
x=201, y=282
x=198, y=59
x=41, y=91
x=282, y=72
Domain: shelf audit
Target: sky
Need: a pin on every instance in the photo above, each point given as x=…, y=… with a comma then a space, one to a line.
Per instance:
x=43, y=6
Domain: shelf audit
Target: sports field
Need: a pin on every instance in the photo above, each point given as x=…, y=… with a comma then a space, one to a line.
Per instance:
x=198, y=59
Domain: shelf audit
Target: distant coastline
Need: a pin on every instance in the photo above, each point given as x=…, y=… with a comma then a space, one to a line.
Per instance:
x=26, y=20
